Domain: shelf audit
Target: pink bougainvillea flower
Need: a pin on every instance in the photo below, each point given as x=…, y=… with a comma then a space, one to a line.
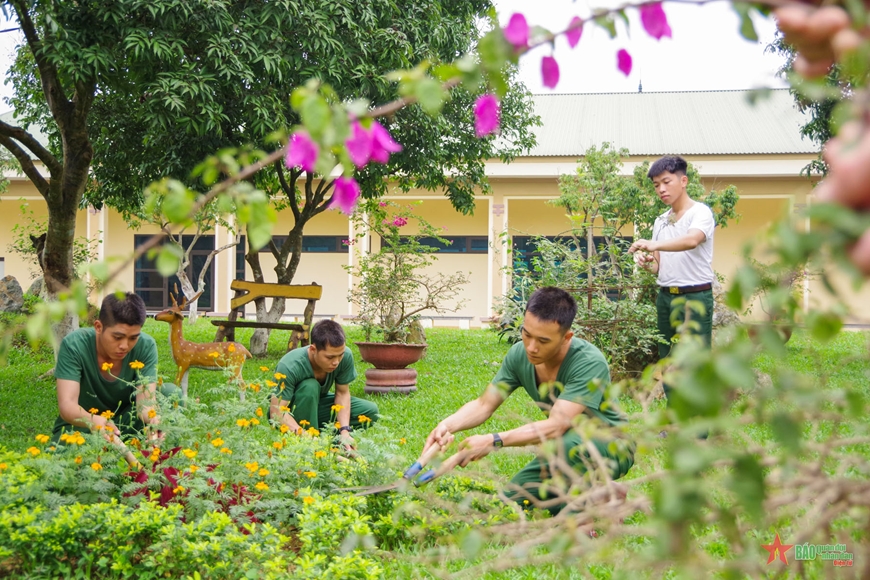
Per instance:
x=382, y=144
x=359, y=146
x=575, y=31
x=654, y=20
x=623, y=61
x=301, y=152
x=400, y=221
x=517, y=31
x=550, y=72
x=486, y=115
x=346, y=194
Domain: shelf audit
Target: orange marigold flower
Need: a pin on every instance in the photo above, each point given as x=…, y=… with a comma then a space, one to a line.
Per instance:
x=135, y=443
x=254, y=387
x=189, y=453
x=243, y=423
x=93, y=411
x=310, y=474
x=33, y=451
x=262, y=486
x=308, y=500
x=152, y=413
x=107, y=366
x=252, y=466
x=264, y=369
x=271, y=384
x=137, y=365
x=280, y=376
x=284, y=409
x=337, y=408
x=231, y=347
x=278, y=445
x=217, y=442
x=96, y=466
x=3, y=467
x=42, y=438
x=263, y=472
x=284, y=428
x=226, y=451
x=313, y=432
x=52, y=448
x=303, y=423
x=193, y=468
x=259, y=412
x=107, y=414
x=177, y=490
x=364, y=419
x=79, y=460
x=319, y=454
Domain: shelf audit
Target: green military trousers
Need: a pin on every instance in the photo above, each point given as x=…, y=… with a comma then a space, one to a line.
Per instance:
x=309, y=405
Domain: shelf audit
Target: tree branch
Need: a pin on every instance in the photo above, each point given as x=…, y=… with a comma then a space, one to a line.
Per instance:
x=51, y=163
x=26, y=163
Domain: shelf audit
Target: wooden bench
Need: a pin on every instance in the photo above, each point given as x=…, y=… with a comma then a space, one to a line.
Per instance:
x=249, y=291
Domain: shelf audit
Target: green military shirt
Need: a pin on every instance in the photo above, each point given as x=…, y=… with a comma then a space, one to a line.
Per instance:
x=583, y=376
x=296, y=367
x=77, y=361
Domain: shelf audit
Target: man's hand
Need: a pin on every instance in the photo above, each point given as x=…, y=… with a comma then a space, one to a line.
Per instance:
x=820, y=36
x=440, y=436
x=647, y=246
x=108, y=430
x=474, y=448
x=347, y=441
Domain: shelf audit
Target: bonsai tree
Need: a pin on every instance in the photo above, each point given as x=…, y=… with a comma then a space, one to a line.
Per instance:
x=393, y=286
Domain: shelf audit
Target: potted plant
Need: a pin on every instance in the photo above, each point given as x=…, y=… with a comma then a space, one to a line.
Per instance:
x=394, y=285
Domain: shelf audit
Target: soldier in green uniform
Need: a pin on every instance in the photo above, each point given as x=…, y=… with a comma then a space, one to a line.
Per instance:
x=566, y=377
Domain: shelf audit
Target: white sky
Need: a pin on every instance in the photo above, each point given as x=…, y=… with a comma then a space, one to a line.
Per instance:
x=705, y=53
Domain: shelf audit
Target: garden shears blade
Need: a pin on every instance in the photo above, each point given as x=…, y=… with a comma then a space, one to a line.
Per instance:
x=409, y=475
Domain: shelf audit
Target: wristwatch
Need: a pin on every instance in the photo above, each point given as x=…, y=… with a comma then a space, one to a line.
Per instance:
x=345, y=428
x=496, y=441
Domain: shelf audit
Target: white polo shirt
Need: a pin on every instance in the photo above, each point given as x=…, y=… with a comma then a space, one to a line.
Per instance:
x=690, y=267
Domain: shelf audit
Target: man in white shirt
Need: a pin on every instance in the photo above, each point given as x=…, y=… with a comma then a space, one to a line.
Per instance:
x=681, y=252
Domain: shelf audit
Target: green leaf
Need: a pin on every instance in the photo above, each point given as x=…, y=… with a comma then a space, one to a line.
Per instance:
x=169, y=259
x=747, y=28
x=430, y=95
x=608, y=23
x=824, y=326
x=787, y=431
x=178, y=203
x=471, y=544
x=747, y=483
x=315, y=113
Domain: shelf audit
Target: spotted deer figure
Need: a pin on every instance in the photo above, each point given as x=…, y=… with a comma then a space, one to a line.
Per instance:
x=209, y=355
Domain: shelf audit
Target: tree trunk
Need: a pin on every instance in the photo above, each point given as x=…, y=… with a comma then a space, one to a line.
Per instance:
x=190, y=294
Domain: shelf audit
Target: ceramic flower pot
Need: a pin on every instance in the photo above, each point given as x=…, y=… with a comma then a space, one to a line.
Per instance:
x=390, y=360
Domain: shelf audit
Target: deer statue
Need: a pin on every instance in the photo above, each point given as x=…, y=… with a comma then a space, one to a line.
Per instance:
x=209, y=355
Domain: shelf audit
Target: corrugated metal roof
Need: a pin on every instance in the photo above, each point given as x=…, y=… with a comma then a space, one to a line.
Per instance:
x=685, y=123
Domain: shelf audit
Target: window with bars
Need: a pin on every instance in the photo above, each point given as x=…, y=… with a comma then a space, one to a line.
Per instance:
x=154, y=288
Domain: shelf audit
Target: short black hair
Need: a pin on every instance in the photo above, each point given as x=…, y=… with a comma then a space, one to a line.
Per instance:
x=122, y=308
x=327, y=332
x=552, y=304
x=668, y=164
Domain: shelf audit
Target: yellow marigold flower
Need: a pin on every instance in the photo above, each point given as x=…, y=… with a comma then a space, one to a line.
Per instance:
x=217, y=442
x=107, y=414
x=264, y=369
x=271, y=384
x=337, y=425
x=334, y=449
x=364, y=419
x=107, y=366
x=79, y=460
x=402, y=441
x=310, y=474
x=278, y=445
x=78, y=439
x=319, y=454
x=262, y=486
x=313, y=432
x=231, y=347
x=303, y=423
x=52, y=448
x=243, y=423
x=98, y=427
x=252, y=466
x=96, y=466
x=177, y=490
x=137, y=365
x=284, y=428
x=193, y=468
x=337, y=408
x=263, y=472
x=280, y=376
x=226, y=451
x=3, y=467
x=43, y=438
x=259, y=412
x=93, y=411
x=308, y=500
x=217, y=432
x=213, y=354
x=33, y=451
x=152, y=413
x=135, y=443
x=189, y=453
x=254, y=387
x=284, y=409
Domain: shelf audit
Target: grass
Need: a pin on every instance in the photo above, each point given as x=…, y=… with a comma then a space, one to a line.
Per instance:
x=457, y=366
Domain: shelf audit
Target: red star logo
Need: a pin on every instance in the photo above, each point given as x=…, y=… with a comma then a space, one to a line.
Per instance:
x=777, y=547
